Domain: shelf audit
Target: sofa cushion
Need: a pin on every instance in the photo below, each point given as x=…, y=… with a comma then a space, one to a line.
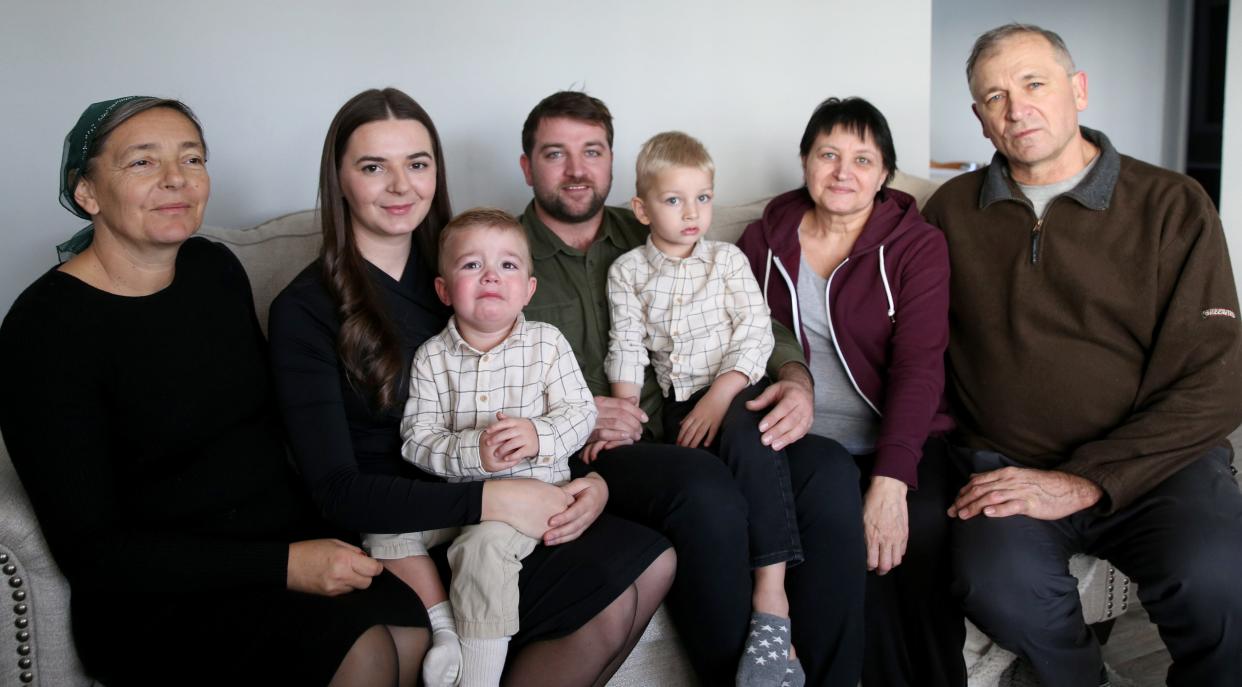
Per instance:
x=273, y=253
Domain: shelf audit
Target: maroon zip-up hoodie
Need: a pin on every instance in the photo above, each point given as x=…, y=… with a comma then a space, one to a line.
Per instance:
x=888, y=304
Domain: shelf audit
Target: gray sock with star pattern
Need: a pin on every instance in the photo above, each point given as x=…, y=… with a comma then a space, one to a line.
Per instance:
x=766, y=654
x=794, y=675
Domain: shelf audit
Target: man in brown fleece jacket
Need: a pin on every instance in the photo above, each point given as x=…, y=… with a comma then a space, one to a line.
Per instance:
x=1095, y=362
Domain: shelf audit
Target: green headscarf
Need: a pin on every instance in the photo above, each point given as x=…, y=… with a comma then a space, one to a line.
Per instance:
x=77, y=143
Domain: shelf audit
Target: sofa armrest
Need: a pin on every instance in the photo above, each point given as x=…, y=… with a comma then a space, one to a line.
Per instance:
x=1105, y=591
x=36, y=645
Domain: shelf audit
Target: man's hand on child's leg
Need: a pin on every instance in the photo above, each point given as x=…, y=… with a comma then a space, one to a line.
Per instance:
x=619, y=422
x=592, y=450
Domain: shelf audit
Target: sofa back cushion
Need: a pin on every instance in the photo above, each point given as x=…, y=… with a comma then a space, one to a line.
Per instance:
x=274, y=252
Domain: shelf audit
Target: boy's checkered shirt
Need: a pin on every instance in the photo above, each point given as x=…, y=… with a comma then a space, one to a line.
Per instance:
x=698, y=316
x=456, y=391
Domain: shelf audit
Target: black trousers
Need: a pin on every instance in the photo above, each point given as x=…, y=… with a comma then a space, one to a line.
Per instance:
x=689, y=496
x=915, y=627
x=761, y=474
x=1181, y=543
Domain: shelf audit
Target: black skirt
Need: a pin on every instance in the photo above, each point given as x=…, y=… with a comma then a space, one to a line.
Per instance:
x=237, y=637
x=564, y=586
x=268, y=637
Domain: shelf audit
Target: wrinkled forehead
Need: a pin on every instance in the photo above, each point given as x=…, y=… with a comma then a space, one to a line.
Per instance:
x=150, y=128
x=1023, y=54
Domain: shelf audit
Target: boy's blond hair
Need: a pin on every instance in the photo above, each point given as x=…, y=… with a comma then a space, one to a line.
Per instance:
x=481, y=218
x=667, y=150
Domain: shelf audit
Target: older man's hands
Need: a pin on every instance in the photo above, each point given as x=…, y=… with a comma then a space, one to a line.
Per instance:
x=1039, y=494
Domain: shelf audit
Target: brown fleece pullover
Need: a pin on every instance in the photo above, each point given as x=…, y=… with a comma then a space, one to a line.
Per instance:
x=1101, y=339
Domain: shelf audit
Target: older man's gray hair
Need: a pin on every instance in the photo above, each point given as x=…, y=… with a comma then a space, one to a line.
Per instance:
x=987, y=44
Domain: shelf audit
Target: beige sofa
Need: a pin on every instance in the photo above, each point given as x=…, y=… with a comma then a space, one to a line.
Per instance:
x=36, y=646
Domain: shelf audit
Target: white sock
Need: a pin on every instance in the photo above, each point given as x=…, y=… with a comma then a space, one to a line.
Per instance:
x=442, y=665
x=483, y=660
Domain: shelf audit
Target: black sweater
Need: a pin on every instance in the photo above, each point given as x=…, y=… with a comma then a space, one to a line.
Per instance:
x=144, y=431
x=349, y=452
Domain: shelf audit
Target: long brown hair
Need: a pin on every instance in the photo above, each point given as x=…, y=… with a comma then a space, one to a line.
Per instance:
x=370, y=348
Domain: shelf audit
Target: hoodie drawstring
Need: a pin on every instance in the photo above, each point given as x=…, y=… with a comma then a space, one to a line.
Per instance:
x=793, y=292
x=888, y=292
x=767, y=273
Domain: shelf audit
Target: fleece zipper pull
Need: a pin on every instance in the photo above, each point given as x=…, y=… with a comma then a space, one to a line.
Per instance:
x=1035, y=234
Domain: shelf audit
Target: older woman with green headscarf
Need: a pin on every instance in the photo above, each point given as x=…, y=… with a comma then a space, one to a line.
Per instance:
x=138, y=414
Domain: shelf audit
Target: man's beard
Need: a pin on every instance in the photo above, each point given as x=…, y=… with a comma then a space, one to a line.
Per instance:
x=556, y=208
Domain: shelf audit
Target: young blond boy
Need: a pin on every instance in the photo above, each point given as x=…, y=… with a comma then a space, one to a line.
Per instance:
x=491, y=397
x=692, y=308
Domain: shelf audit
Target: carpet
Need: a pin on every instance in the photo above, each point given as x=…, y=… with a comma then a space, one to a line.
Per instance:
x=989, y=665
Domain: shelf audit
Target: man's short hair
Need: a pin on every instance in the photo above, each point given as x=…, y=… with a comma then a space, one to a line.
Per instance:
x=569, y=104
x=481, y=218
x=988, y=43
x=667, y=150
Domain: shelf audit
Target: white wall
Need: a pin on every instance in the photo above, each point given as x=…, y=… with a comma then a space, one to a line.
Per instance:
x=1135, y=94
x=266, y=78
x=1231, y=158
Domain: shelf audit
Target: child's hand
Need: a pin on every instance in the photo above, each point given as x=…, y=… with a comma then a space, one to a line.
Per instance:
x=488, y=458
x=508, y=441
x=701, y=425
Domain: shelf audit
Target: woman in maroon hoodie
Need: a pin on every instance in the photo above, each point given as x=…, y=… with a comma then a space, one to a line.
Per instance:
x=852, y=269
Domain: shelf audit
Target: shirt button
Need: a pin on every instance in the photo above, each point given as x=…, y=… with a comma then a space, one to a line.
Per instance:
x=483, y=398
x=674, y=332
x=677, y=300
x=487, y=357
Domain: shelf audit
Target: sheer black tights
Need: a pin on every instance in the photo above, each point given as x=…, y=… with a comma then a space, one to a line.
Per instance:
x=392, y=656
x=593, y=653
x=384, y=656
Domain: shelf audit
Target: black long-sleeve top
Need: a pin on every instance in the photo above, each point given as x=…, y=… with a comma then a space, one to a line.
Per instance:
x=144, y=432
x=348, y=450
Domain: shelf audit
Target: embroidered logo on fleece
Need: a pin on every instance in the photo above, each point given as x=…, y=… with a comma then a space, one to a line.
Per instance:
x=1219, y=312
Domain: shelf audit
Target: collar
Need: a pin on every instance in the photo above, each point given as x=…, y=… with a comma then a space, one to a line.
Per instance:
x=544, y=243
x=1093, y=192
x=657, y=258
x=516, y=335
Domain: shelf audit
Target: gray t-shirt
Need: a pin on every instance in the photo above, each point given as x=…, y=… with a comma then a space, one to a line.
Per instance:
x=841, y=413
x=1040, y=196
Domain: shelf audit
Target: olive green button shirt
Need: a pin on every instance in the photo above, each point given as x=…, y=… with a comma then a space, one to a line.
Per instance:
x=572, y=295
